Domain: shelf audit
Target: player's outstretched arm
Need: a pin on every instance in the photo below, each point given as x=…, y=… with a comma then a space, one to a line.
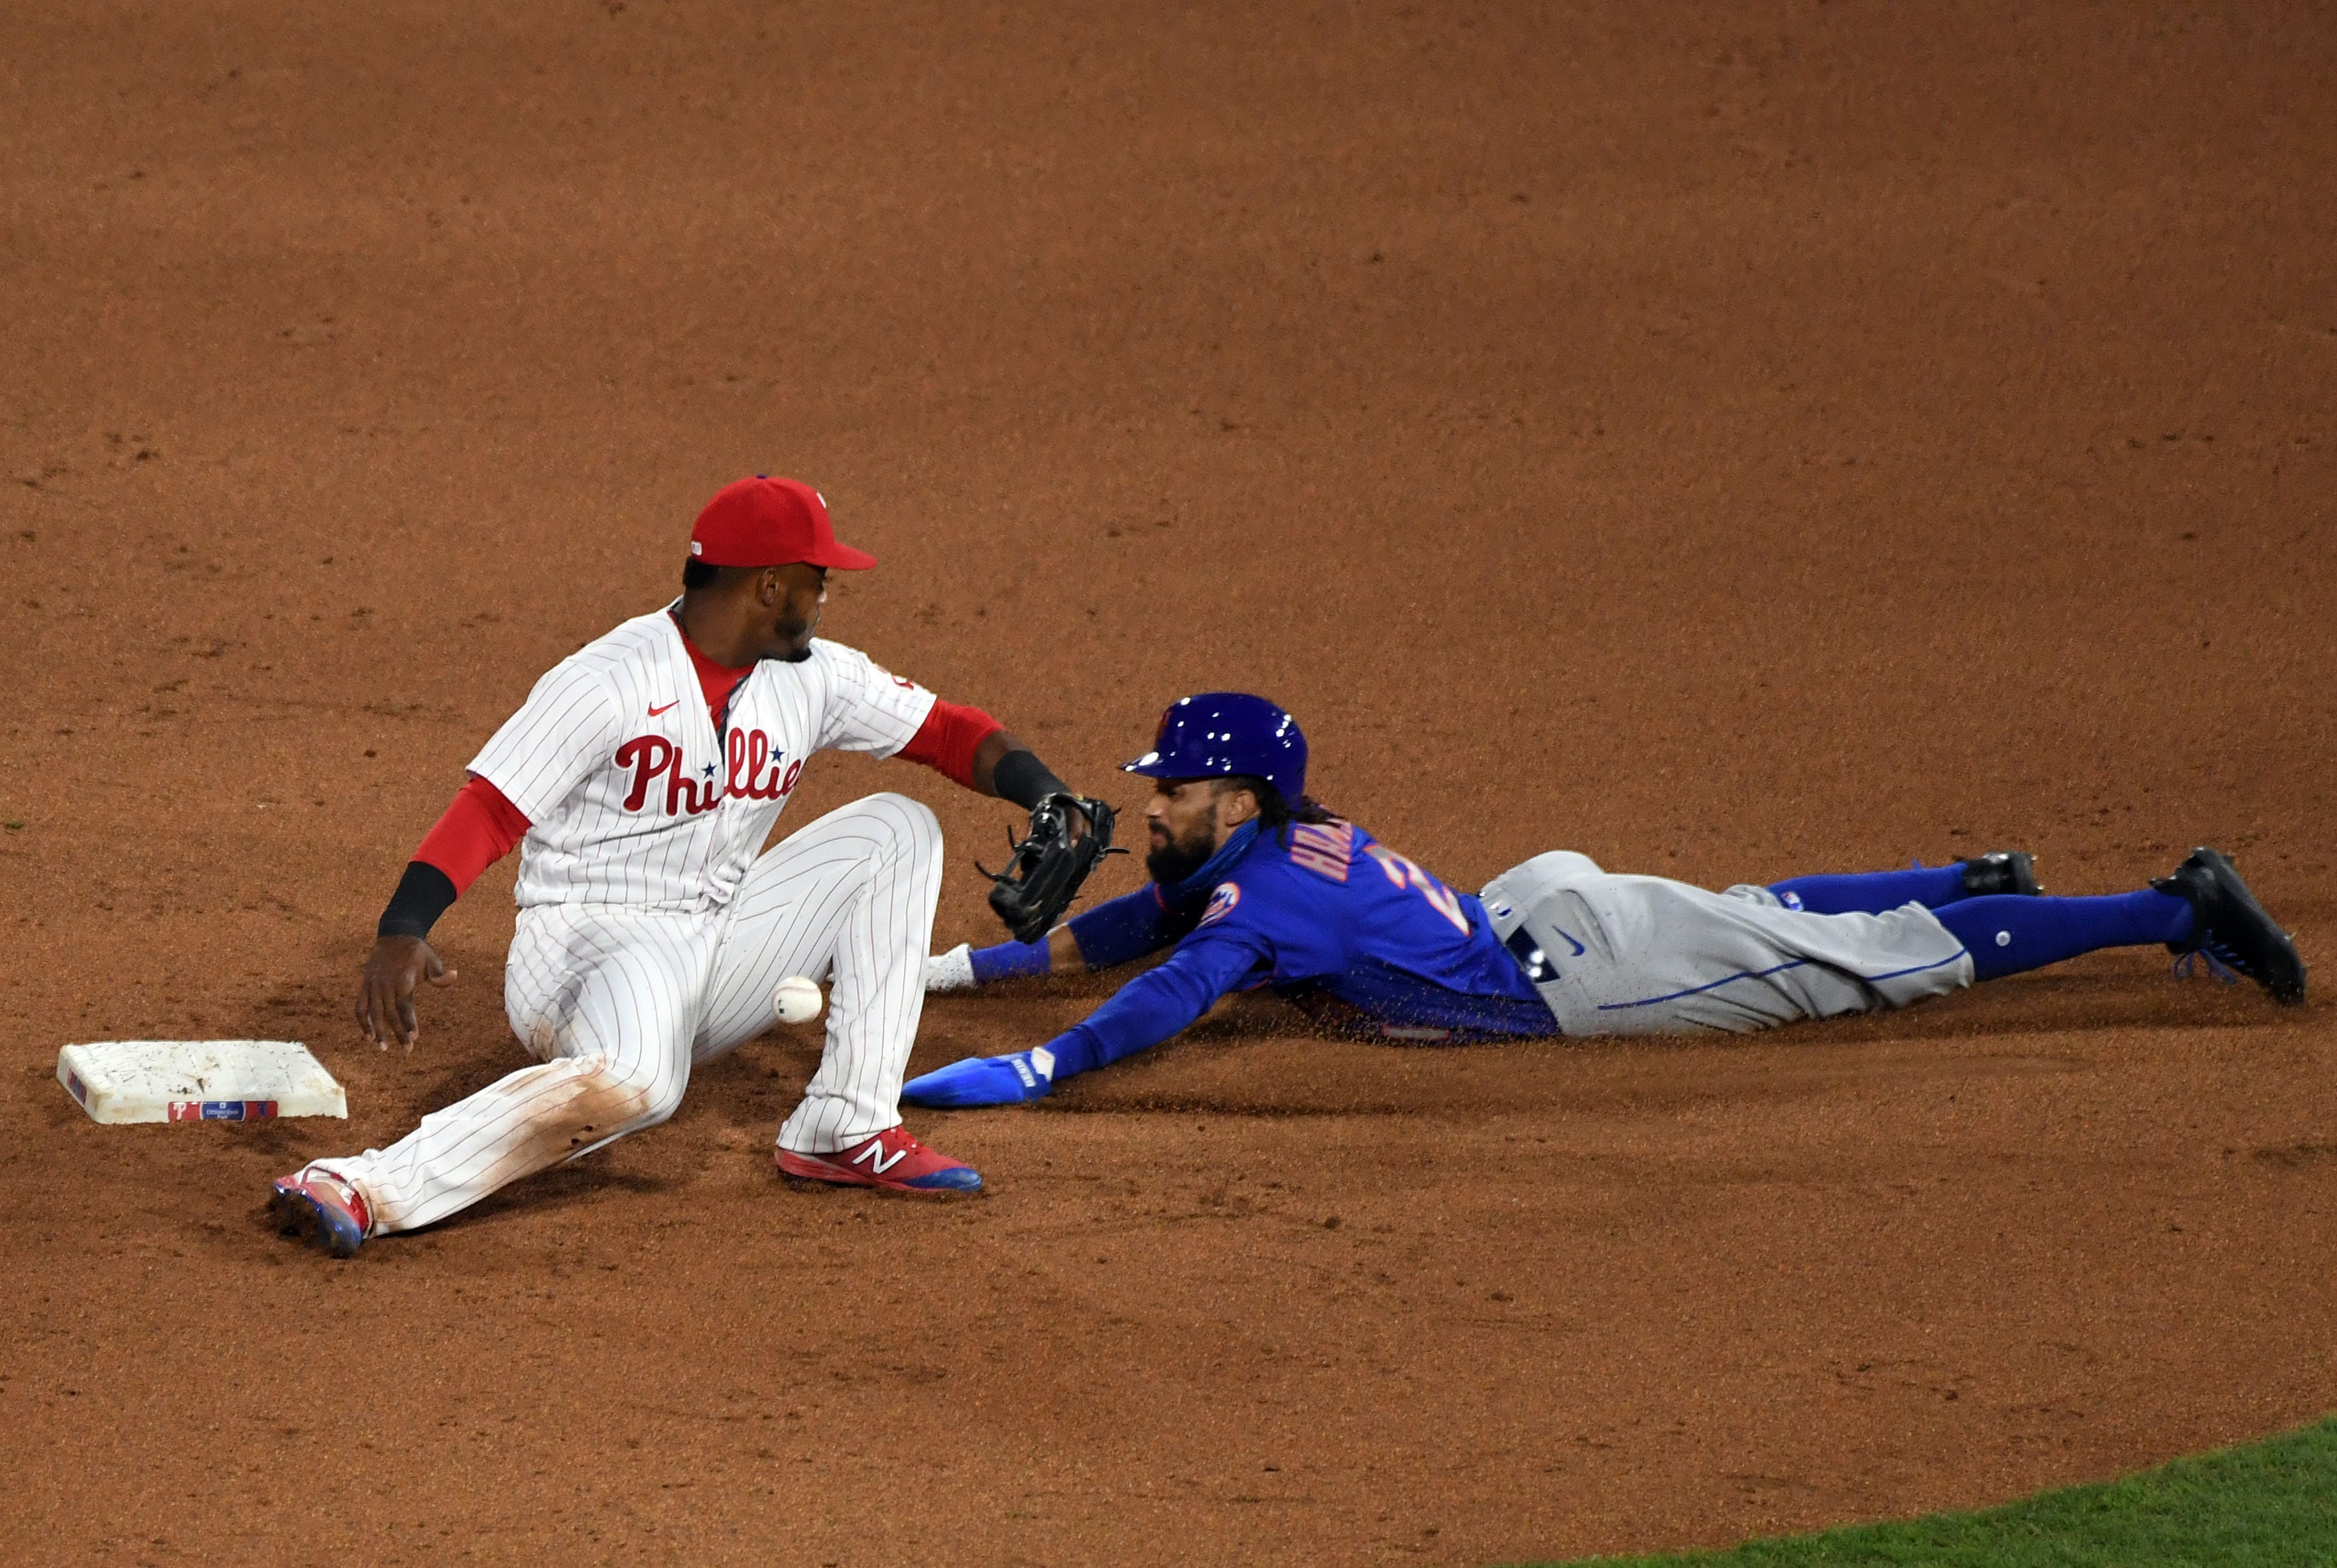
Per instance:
x=1116, y=931
x=1068, y=834
x=965, y=965
x=872, y=709
x=1150, y=1008
x=969, y=747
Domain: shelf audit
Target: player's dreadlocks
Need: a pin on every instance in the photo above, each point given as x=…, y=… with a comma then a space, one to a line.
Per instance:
x=1273, y=810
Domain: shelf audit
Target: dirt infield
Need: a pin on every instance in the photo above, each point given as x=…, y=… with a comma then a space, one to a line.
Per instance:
x=1731, y=442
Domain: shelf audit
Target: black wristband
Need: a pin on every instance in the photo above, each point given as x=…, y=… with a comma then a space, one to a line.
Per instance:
x=1023, y=778
x=424, y=894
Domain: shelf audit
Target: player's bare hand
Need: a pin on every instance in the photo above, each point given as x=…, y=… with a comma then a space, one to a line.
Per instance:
x=385, y=993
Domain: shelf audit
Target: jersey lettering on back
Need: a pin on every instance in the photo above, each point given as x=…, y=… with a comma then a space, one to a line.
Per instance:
x=1402, y=956
x=1408, y=874
x=1325, y=848
x=1401, y=946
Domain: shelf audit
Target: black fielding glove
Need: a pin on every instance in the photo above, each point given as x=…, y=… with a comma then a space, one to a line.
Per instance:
x=1046, y=870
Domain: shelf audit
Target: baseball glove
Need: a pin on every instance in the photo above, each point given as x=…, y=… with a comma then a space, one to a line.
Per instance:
x=1047, y=867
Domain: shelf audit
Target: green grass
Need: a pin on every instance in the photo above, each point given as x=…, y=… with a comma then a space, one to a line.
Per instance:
x=2259, y=1505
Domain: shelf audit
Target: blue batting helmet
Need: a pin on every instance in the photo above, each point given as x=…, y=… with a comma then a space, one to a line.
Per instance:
x=1216, y=733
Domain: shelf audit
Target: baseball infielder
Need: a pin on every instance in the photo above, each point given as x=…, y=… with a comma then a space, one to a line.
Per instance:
x=641, y=779
x=1256, y=885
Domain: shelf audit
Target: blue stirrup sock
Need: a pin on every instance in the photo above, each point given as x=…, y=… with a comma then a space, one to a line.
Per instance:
x=1872, y=893
x=2007, y=933
x=1009, y=960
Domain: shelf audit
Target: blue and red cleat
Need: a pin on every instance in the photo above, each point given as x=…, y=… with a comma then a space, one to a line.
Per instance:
x=891, y=1160
x=321, y=1209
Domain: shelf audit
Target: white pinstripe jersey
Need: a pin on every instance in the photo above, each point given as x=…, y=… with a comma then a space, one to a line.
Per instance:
x=630, y=796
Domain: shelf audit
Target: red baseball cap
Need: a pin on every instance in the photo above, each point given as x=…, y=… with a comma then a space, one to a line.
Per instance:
x=767, y=522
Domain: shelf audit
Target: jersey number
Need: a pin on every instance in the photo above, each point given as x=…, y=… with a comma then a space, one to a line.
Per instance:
x=1404, y=873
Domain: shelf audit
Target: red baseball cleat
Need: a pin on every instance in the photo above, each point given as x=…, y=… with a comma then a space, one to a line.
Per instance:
x=322, y=1210
x=892, y=1159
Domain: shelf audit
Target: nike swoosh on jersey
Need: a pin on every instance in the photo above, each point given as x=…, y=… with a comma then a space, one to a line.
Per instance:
x=655, y=711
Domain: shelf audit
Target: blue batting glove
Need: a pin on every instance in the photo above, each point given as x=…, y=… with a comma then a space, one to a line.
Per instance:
x=984, y=1081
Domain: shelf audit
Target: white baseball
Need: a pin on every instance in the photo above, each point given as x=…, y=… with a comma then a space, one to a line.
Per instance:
x=796, y=1001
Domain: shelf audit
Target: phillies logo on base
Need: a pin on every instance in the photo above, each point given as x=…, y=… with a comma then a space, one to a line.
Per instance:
x=221, y=1110
x=754, y=773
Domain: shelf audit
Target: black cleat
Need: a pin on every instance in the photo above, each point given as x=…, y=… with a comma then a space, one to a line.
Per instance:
x=2001, y=872
x=2230, y=926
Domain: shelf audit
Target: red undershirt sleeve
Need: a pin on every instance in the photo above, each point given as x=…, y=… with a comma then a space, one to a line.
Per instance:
x=480, y=827
x=948, y=739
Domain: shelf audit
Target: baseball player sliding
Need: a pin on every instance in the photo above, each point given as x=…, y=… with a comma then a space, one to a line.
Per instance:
x=639, y=780
x=1256, y=885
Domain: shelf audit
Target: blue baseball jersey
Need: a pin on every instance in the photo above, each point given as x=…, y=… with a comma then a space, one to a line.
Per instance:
x=1356, y=934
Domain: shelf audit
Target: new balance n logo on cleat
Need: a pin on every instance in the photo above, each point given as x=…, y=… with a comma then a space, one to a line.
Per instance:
x=873, y=1156
x=891, y=1160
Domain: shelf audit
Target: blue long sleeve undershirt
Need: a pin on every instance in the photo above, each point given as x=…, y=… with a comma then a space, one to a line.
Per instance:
x=1116, y=931
x=1157, y=1003
x=1132, y=926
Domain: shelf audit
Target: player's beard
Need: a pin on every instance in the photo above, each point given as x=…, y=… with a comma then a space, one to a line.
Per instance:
x=797, y=635
x=1178, y=859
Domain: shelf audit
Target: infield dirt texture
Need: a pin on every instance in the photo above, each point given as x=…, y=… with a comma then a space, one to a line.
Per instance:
x=1731, y=442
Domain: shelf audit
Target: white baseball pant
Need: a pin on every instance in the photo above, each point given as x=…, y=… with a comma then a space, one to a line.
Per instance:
x=617, y=1003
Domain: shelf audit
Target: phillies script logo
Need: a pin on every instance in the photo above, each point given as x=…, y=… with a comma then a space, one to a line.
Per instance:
x=754, y=774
